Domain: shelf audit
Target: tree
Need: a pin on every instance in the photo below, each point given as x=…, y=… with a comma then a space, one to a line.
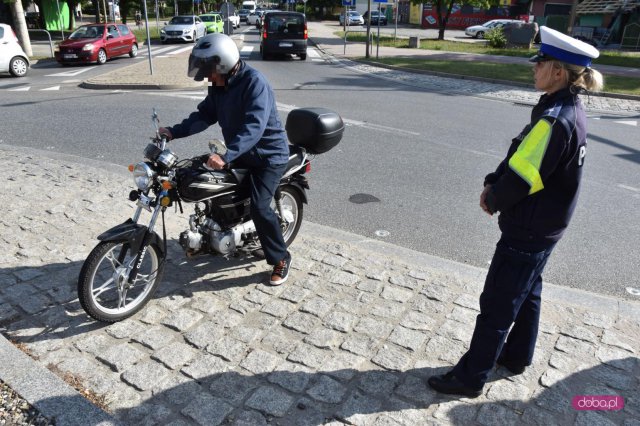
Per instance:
x=444, y=7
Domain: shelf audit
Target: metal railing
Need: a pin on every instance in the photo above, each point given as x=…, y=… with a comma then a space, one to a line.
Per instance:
x=50, y=41
x=631, y=37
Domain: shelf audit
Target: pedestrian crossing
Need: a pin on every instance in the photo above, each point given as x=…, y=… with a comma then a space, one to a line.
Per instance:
x=246, y=52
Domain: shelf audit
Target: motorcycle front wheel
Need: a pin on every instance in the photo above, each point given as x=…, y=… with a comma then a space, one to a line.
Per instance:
x=103, y=287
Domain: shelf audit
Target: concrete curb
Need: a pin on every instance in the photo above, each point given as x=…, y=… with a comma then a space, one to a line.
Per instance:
x=48, y=393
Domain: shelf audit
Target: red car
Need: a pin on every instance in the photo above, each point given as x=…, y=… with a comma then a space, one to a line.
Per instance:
x=97, y=43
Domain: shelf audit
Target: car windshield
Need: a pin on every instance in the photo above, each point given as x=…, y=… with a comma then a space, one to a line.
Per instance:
x=285, y=24
x=87, y=32
x=181, y=20
x=353, y=13
x=208, y=18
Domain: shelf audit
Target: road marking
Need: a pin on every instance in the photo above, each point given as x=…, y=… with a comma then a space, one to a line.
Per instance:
x=245, y=52
x=71, y=73
x=378, y=127
x=51, y=88
x=20, y=89
x=184, y=49
x=627, y=122
x=630, y=188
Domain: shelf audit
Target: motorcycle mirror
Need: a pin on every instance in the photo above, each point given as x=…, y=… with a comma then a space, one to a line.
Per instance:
x=217, y=146
x=155, y=120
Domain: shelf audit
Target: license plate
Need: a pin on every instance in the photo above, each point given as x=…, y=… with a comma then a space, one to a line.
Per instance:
x=70, y=56
x=286, y=44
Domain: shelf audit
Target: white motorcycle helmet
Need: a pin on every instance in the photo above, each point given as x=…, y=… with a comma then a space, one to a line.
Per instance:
x=213, y=52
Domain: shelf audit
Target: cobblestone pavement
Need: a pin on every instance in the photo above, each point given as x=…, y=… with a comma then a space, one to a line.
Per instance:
x=349, y=339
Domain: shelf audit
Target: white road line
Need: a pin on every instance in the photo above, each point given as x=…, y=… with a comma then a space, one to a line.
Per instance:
x=312, y=53
x=71, y=73
x=630, y=188
x=184, y=49
x=155, y=51
x=51, y=88
x=246, y=51
x=628, y=122
x=20, y=89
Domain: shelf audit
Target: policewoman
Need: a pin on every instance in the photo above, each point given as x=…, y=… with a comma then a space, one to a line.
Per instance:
x=535, y=189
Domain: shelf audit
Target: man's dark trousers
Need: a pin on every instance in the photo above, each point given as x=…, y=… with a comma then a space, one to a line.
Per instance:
x=264, y=182
x=511, y=294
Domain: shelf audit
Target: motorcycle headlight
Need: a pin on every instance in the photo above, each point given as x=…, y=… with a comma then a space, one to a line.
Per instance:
x=87, y=47
x=143, y=176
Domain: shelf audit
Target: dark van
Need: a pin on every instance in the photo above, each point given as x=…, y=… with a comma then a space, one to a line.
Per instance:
x=284, y=33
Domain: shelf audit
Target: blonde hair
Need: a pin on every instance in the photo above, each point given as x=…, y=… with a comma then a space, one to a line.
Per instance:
x=582, y=78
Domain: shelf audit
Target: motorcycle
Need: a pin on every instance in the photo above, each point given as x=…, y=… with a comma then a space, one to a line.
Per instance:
x=121, y=274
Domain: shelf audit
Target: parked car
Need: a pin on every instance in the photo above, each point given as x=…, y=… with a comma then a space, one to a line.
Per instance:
x=213, y=22
x=12, y=58
x=354, y=18
x=478, y=31
x=97, y=43
x=243, y=14
x=284, y=33
x=375, y=17
x=187, y=28
x=254, y=18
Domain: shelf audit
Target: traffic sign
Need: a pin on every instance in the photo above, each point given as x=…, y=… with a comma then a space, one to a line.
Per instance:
x=380, y=1
x=348, y=2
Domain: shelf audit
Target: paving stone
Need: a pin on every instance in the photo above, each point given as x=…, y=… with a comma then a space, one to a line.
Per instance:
x=278, y=308
x=182, y=320
x=453, y=330
x=205, y=366
x=377, y=382
x=429, y=306
x=407, y=338
x=324, y=338
x=175, y=356
x=357, y=407
x=327, y=390
x=592, y=418
x=28, y=274
x=396, y=294
x=228, y=349
x=7, y=313
x=615, y=378
x=371, y=286
x=292, y=377
x=279, y=342
x=391, y=358
x=155, y=337
x=308, y=355
x=247, y=334
x=258, y=297
x=204, y=334
x=148, y=414
x=580, y=333
x=295, y=294
x=612, y=338
x=207, y=410
x=574, y=346
x=373, y=327
x=444, y=349
x=233, y=386
x=208, y=303
x=418, y=321
x=360, y=345
x=599, y=320
x=247, y=418
x=492, y=414
x=438, y=292
x=617, y=358
x=302, y=322
x=341, y=321
x=509, y=393
x=260, y=362
x=342, y=365
x=121, y=357
x=388, y=309
x=125, y=329
x=271, y=401
x=93, y=344
x=463, y=315
x=336, y=261
x=145, y=375
x=344, y=279
x=402, y=281
x=317, y=306
x=415, y=389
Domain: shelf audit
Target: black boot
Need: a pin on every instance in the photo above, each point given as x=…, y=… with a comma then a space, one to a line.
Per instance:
x=511, y=366
x=449, y=384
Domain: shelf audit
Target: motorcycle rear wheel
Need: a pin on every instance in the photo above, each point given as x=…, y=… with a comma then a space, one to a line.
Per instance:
x=293, y=211
x=102, y=286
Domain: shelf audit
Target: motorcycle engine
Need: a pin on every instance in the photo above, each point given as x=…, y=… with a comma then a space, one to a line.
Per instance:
x=209, y=237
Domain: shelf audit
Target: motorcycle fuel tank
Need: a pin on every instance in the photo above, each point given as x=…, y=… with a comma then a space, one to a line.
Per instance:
x=197, y=184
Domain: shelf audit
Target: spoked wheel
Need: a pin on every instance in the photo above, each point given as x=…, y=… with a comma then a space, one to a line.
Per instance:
x=102, y=57
x=292, y=210
x=103, y=287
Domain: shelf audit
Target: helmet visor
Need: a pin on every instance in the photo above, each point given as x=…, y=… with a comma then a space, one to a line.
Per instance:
x=201, y=68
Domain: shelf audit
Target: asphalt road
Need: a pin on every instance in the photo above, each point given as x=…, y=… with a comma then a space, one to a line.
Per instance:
x=409, y=169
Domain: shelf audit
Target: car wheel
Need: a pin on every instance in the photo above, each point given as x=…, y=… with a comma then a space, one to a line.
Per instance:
x=194, y=36
x=18, y=67
x=303, y=56
x=263, y=54
x=480, y=34
x=102, y=57
x=134, y=51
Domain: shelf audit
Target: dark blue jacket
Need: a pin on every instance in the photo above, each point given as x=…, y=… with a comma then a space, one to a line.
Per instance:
x=247, y=114
x=536, y=201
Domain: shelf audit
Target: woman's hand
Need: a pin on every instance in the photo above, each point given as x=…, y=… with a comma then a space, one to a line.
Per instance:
x=483, y=200
x=215, y=162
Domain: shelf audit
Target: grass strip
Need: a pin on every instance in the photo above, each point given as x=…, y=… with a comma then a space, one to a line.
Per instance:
x=623, y=59
x=504, y=72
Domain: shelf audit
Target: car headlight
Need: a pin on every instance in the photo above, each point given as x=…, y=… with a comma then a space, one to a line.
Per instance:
x=187, y=31
x=87, y=47
x=143, y=176
x=162, y=32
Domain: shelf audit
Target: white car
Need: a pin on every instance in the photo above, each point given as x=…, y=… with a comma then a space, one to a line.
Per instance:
x=354, y=18
x=233, y=17
x=12, y=57
x=478, y=31
x=187, y=28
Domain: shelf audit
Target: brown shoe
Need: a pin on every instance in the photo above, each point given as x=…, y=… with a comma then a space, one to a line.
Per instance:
x=281, y=271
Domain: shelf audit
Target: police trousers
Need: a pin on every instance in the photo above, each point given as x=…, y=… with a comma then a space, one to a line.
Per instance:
x=511, y=296
x=264, y=182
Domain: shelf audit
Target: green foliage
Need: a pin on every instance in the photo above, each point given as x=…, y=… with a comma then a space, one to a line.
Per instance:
x=496, y=38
